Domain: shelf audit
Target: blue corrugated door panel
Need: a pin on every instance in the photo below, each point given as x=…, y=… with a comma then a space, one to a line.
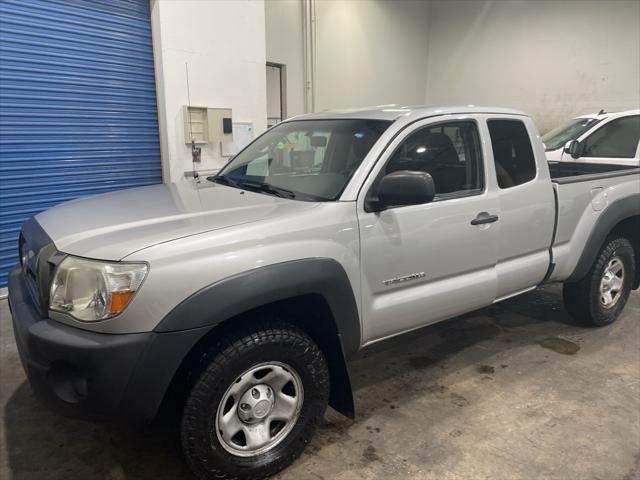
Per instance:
x=78, y=109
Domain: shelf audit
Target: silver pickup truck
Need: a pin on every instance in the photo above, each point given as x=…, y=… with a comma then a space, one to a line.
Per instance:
x=238, y=299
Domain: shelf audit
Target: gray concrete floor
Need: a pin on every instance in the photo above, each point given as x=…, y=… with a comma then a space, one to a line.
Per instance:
x=515, y=391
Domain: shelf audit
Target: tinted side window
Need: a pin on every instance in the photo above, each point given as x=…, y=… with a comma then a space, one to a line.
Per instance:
x=617, y=139
x=449, y=152
x=512, y=152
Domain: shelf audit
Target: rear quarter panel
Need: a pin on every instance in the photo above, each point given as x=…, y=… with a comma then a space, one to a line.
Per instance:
x=580, y=205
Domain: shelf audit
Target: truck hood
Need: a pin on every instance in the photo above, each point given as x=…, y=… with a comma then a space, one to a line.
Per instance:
x=114, y=225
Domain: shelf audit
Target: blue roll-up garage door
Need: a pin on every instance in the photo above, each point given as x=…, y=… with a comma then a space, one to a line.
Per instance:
x=78, y=109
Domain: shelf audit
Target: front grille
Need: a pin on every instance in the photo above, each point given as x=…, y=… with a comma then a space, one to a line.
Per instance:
x=38, y=257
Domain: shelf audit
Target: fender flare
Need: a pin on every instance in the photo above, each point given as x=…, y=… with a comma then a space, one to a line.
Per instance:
x=245, y=291
x=615, y=213
x=193, y=318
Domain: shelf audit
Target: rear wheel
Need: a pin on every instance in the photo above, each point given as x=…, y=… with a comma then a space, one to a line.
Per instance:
x=256, y=404
x=598, y=299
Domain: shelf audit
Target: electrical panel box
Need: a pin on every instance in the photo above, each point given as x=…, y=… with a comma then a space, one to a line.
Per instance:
x=220, y=125
x=196, y=125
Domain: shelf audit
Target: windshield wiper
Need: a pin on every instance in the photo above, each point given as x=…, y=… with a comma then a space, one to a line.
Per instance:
x=222, y=179
x=267, y=188
x=257, y=187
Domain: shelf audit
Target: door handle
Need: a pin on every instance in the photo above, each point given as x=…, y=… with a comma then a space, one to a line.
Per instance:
x=484, y=217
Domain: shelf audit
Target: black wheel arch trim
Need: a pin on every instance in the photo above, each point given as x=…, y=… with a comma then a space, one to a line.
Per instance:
x=615, y=213
x=243, y=292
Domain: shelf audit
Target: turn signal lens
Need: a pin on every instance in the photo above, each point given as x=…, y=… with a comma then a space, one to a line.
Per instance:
x=119, y=301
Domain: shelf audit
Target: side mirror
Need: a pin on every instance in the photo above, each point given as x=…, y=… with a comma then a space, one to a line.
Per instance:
x=574, y=149
x=403, y=188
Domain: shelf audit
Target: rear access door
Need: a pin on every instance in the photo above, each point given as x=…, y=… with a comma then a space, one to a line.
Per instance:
x=527, y=205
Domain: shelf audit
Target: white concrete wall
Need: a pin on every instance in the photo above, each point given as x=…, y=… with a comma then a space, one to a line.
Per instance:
x=370, y=52
x=284, y=45
x=552, y=59
x=224, y=43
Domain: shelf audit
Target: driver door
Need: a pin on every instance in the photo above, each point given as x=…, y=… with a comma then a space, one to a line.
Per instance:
x=425, y=263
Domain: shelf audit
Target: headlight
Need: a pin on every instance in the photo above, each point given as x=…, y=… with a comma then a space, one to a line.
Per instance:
x=92, y=290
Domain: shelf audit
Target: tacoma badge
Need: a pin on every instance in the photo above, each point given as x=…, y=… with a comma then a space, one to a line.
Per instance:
x=406, y=278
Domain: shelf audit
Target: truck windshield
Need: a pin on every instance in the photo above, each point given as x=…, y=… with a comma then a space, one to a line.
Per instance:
x=558, y=137
x=303, y=159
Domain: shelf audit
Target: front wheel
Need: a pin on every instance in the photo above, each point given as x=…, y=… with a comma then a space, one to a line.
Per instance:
x=255, y=406
x=598, y=299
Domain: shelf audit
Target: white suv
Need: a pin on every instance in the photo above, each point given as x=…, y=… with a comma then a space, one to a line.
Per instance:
x=597, y=138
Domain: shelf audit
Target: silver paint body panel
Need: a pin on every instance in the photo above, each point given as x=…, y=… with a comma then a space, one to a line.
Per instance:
x=580, y=206
x=193, y=235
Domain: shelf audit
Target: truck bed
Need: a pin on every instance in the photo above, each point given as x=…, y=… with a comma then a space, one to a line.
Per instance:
x=583, y=192
x=570, y=172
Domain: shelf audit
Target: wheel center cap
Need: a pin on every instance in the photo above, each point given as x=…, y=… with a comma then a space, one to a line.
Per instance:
x=261, y=409
x=256, y=403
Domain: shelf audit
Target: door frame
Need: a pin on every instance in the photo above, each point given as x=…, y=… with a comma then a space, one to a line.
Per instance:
x=283, y=88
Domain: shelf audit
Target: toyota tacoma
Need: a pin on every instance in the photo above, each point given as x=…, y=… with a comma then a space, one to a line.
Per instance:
x=238, y=299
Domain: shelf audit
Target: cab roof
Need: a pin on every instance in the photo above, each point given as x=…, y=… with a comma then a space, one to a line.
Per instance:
x=393, y=112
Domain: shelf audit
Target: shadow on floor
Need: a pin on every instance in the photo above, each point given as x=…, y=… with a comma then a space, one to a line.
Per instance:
x=44, y=445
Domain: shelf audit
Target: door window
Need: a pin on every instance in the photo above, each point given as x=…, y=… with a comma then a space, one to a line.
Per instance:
x=512, y=152
x=616, y=139
x=449, y=152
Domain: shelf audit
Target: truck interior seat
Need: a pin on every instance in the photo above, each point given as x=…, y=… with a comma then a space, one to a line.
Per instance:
x=449, y=175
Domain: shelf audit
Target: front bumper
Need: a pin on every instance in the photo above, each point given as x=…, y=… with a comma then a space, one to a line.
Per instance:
x=94, y=375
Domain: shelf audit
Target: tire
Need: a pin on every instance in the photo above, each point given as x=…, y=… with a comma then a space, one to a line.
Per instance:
x=584, y=299
x=257, y=362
